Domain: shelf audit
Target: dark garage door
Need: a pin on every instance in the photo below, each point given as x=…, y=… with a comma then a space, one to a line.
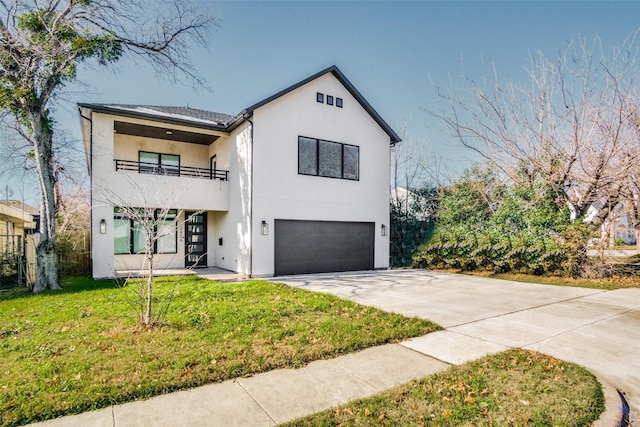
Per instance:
x=323, y=246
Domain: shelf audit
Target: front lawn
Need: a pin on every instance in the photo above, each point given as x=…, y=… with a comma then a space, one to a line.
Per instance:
x=608, y=283
x=80, y=349
x=514, y=388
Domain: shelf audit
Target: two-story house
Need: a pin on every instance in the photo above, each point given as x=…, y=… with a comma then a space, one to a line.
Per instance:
x=296, y=183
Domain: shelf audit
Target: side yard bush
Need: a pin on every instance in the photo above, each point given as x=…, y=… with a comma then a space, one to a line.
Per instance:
x=483, y=225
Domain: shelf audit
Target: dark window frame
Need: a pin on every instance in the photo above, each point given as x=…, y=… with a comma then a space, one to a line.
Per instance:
x=213, y=166
x=329, y=100
x=148, y=168
x=339, y=102
x=320, y=97
x=117, y=215
x=342, y=157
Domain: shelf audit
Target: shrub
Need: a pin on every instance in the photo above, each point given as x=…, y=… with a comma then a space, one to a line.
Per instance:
x=481, y=225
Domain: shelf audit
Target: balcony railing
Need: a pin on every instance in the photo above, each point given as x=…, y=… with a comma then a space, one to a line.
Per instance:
x=168, y=170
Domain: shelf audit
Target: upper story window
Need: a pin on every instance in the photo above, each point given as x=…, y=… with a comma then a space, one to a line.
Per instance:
x=329, y=159
x=159, y=163
x=321, y=97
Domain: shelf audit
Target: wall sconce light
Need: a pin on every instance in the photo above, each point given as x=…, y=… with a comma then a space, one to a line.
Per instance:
x=383, y=230
x=103, y=226
x=264, y=228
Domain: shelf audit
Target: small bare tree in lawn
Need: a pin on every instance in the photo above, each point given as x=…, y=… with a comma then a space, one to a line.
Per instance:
x=42, y=43
x=153, y=224
x=573, y=124
x=156, y=224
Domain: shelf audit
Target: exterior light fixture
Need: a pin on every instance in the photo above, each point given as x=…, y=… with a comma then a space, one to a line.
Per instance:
x=383, y=230
x=103, y=226
x=264, y=228
x=168, y=132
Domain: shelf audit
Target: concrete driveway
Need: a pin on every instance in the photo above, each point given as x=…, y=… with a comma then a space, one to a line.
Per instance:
x=595, y=328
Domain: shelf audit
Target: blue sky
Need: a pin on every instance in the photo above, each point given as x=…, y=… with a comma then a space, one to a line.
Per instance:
x=392, y=51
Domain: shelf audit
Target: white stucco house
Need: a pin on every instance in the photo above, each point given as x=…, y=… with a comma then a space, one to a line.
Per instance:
x=296, y=183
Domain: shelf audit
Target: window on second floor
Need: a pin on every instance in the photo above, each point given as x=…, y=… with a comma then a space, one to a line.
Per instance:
x=328, y=159
x=159, y=163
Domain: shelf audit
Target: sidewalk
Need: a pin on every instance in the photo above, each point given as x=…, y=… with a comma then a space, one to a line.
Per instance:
x=282, y=395
x=591, y=327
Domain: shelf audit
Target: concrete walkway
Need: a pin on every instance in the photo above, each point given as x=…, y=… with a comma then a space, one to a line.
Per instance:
x=597, y=329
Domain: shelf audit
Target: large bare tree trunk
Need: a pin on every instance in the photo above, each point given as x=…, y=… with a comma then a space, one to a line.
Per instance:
x=42, y=42
x=47, y=276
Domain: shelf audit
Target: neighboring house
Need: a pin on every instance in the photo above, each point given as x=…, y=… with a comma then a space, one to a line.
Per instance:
x=296, y=183
x=419, y=205
x=618, y=227
x=33, y=214
x=15, y=220
x=15, y=226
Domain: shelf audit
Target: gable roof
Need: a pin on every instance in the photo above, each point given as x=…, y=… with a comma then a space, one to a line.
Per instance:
x=225, y=122
x=347, y=84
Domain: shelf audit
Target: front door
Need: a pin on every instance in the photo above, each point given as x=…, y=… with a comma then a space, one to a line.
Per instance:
x=195, y=239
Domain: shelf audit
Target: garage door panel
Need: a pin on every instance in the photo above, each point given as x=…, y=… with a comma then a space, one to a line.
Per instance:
x=323, y=246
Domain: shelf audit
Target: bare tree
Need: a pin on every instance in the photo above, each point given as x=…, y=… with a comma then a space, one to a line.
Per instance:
x=573, y=123
x=153, y=224
x=415, y=177
x=42, y=44
x=154, y=218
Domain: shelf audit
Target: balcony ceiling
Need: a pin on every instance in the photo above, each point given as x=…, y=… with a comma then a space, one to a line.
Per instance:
x=165, y=133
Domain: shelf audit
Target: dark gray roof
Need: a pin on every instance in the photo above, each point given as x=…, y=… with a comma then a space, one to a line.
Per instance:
x=177, y=115
x=226, y=122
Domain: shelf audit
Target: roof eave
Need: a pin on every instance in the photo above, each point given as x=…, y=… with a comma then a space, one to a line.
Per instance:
x=149, y=116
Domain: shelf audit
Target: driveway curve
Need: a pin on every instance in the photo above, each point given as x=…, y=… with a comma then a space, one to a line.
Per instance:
x=598, y=329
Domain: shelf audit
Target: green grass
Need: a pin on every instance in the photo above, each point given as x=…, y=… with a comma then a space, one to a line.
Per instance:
x=80, y=349
x=514, y=388
x=609, y=283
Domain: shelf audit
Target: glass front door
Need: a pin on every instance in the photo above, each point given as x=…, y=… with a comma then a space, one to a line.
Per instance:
x=195, y=239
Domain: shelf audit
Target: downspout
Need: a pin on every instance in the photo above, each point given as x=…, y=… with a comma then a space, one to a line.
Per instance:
x=90, y=165
x=250, y=200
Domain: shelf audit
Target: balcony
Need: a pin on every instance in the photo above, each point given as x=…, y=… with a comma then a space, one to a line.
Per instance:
x=166, y=170
x=143, y=184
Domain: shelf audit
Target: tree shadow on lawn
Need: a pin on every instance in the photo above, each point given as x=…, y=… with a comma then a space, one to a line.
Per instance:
x=70, y=285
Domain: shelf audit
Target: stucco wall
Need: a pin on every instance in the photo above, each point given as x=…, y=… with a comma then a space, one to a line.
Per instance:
x=111, y=188
x=281, y=193
x=233, y=226
x=237, y=207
